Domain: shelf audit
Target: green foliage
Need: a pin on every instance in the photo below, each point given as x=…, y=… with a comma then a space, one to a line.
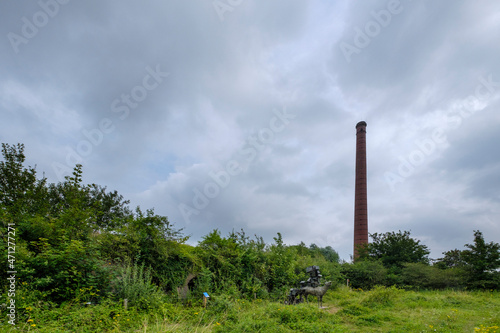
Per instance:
x=377, y=310
x=134, y=283
x=422, y=276
x=281, y=269
x=66, y=231
x=394, y=249
x=104, y=210
x=222, y=257
x=156, y=243
x=60, y=272
x=257, y=270
x=21, y=193
x=451, y=259
x=481, y=261
x=203, y=282
x=365, y=274
x=328, y=252
x=381, y=296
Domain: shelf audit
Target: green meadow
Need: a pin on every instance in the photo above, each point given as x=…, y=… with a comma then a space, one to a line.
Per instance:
x=381, y=309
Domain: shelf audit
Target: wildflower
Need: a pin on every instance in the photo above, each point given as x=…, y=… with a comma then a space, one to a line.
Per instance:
x=196, y=313
x=30, y=320
x=218, y=323
x=33, y=325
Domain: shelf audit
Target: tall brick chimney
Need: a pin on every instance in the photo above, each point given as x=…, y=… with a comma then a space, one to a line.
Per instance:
x=360, y=200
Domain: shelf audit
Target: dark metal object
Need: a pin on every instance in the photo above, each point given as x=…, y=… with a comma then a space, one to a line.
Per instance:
x=315, y=276
x=296, y=295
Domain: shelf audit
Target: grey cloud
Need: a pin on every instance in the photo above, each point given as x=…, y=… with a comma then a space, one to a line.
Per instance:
x=226, y=78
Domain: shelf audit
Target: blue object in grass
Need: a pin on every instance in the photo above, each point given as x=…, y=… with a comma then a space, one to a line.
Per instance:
x=206, y=295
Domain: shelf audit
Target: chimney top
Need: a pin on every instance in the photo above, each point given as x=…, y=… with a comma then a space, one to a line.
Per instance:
x=361, y=123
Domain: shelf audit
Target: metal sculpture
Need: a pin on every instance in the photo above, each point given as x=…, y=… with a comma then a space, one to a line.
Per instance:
x=318, y=292
x=309, y=287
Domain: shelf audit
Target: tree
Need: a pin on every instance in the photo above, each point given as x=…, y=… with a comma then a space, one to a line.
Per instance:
x=430, y=277
x=20, y=190
x=108, y=210
x=56, y=239
x=364, y=274
x=394, y=250
x=482, y=259
x=451, y=259
x=328, y=252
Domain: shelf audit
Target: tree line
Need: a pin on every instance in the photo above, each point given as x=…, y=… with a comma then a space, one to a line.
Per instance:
x=78, y=241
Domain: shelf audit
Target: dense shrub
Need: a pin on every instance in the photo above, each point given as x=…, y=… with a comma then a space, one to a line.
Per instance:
x=62, y=271
x=134, y=283
x=365, y=274
x=421, y=276
x=381, y=296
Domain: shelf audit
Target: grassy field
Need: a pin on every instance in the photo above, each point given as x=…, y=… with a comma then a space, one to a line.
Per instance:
x=377, y=310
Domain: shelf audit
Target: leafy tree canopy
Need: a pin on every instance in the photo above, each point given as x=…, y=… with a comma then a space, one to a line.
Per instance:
x=394, y=249
x=481, y=260
x=328, y=252
x=451, y=259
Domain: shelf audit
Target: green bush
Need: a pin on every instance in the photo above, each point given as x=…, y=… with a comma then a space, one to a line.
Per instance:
x=365, y=274
x=133, y=283
x=421, y=276
x=381, y=296
x=61, y=272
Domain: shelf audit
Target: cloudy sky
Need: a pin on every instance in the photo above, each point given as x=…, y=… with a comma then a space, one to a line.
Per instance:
x=235, y=114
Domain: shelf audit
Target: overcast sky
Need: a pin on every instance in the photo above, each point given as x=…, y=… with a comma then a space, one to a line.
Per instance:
x=238, y=114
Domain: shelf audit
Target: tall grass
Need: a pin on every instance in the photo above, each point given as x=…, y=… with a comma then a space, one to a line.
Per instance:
x=378, y=310
x=134, y=283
